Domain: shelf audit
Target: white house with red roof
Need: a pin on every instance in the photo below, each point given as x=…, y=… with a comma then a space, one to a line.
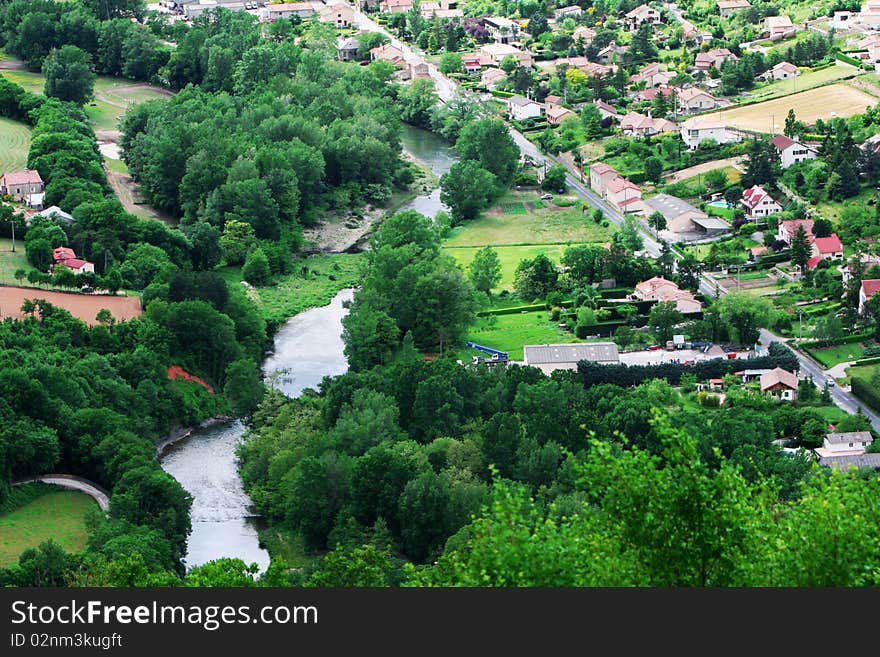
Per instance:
x=388, y=53
x=782, y=71
x=787, y=229
x=792, y=151
x=78, y=266
x=639, y=125
x=639, y=15
x=695, y=100
x=727, y=7
x=759, y=203
x=780, y=383
x=779, y=27
x=828, y=248
x=62, y=253
x=661, y=289
x=600, y=175
x=624, y=195
x=21, y=185
x=697, y=129
x=870, y=287
x=715, y=57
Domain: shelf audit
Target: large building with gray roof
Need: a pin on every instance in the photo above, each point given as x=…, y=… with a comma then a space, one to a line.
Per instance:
x=551, y=357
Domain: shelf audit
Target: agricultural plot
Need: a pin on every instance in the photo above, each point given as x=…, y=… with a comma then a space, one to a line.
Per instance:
x=509, y=256
x=10, y=261
x=805, y=81
x=824, y=103
x=15, y=142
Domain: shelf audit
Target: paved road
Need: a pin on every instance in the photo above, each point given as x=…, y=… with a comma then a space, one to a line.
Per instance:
x=808, y=367
x=75, y=483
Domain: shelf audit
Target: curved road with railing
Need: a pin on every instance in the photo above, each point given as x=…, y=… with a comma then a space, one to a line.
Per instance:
x=101, y=496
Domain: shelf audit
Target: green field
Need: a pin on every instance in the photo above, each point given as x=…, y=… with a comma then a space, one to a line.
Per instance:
x=10, y=262
x=57, y=514
x=33, y=82
x=510, y=332
x=509, y=256
x=806, y=80
x=547, y=225
x=831, y=356
x=15, y=142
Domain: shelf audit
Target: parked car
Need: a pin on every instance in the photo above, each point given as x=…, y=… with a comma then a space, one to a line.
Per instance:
x=546, y=197
x=653, y=347
x=831, y=382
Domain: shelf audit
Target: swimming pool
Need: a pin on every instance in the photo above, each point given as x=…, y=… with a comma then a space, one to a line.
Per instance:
x=720, y=204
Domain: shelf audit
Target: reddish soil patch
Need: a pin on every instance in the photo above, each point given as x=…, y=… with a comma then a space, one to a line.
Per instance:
x=177, y=372
x=82, y=306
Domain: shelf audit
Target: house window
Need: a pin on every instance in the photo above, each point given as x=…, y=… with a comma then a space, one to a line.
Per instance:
x=850, y=444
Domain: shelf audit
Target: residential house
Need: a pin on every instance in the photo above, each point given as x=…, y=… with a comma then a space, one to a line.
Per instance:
x=661, y=290
x=624, y=195
x=347, y=50
x=491, y=54
x=860, y=262
x=682, y=217
x=551, y=357
x=792, y=151
x=584, y=34
x=847, y=443
x=712, y=385
x=780, y=384
x=782, y=71
x=699, y=128
x=575, y=62
x=572, y=11
x=472, y=64
x=756, y=252
x=828, y=248
x=78, y=266
x=555, y=112
x=598, y=70
x=842, y=20
x=870, y=287
x=844, y=462
x=395, y=6
x=633, y=19
x=492, y=77
x=22, y=186
x=639, y=125
x=340, y=14
x=611, y=53
x=749, y=376
x=600, y=175
x=695, y=100
x=715, y=57
x=53, y=212
x=607, y=110
x=287, y=10
x=520, y=108
x=758, y=203
x=651, y=94
x=691, y=34
x=727, y=7
x=388, y=53
x=62, y=253
x=787, y=229
x=502, y=30
x=652, y=76
x=419, y=70
x=869, y=16
x=778, y=27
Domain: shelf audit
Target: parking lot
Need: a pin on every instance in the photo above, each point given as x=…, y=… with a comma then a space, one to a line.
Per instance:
x=663, y=356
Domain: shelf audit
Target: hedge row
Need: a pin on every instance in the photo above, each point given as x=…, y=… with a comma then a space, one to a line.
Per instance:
x=868, y=361
x=855, y=337
x=864, y=391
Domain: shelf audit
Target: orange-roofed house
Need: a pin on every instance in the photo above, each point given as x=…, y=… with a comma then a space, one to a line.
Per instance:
x=62, y=253
x=600, y=175
x=661, y=289
x=624, y=195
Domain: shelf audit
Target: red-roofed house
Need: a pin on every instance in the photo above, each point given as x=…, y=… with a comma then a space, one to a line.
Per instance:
x=20, y=185
x=787, y=229
x=388, y=53
x=624, y=195
x=78, y=266
x=472, y=64
x=660, y=289
x=640, y=125
x=651, y=94
x=828, y=248
x=792, y=151
x=782, y=71
x=715, y=57
x=600, y=175
x=759, y=203
x=62, y=253
x=870, y=287
x=695, y=100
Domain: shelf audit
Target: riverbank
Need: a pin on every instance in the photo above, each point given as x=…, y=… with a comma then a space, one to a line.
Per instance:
x=184, y=432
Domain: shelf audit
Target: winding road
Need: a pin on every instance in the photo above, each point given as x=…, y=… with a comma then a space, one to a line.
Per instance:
x=101, y=496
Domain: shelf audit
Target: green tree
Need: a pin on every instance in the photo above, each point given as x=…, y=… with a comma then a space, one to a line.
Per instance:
x=256, y=268
x=466, y=189
x=488, y=142
x=554, y=180
x=653, y=169
x=657, y=221
x=801, y=249
x=451, y=62
x=485, y=270
x=244, y=386
x=628, y=237
x=745, y=314
x=370, y=337
x=663, y=319
x=535, y=278
x=69, y=76
x=237, y=239
x=417, y=101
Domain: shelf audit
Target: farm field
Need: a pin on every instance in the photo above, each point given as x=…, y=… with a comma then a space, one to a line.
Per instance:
x=518, y=220
x=15, y=142
x=11, y=262
x=57, y=514
x=83, y=306
x=806, y=80
x=509, y=256
x=841, y=99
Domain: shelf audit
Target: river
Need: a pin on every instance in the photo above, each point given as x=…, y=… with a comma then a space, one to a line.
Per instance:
x=306, y=349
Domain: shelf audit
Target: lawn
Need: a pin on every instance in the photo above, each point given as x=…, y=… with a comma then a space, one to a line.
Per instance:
x=832, y=209
x=33, y=82
x=293, y=293
x=839, y=100
x=15, y=142
x=510, y=257
x=510, y=332
x=831, y=356
x=831, y=414
x=10, y=262
x=547, y=225
x=57, y=514
x=806, y=80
